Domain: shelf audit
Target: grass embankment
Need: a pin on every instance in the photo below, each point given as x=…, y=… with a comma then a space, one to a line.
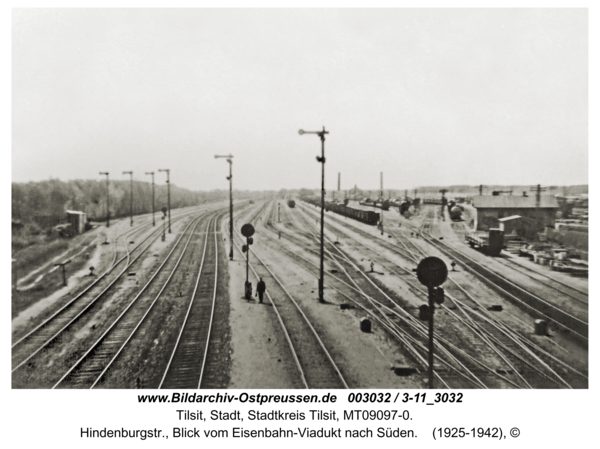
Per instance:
x=50, y=283
x=32, y=251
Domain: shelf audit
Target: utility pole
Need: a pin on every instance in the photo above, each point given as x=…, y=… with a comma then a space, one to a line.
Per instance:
x=230, y=178
x=130, y=173
x=168, y=194
x=107, y=199
x=538, y=194
x=321, y=159
x=152, y=173
x=381, y=182
x=444, y=202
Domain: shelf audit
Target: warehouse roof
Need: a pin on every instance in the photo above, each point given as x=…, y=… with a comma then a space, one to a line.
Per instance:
x=513, y=202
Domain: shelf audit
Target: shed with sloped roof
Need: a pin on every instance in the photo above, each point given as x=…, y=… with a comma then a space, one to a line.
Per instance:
x=541, y=210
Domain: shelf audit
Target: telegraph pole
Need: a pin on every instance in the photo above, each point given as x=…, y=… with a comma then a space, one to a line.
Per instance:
x=152, y=173
x=107, y=199
x=130, y=173
x=381, y=182
x=538, y=194
x=230, y=178
x=168, y=194
x=443, y=192
x=321, y=159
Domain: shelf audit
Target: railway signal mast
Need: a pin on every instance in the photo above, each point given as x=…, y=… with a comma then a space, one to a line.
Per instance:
x=152, y=173
x=130, y=173
x=381, y=182
x=230, y=179
x=168, y=194
x=432, y=273
x=248, y=232
x=107, y=199
x=444, y=202
x=321, y=159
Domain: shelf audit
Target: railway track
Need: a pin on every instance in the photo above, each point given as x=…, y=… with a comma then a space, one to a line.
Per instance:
x=88, y=370
x=506, y=288
x=544, y=309
x=478, y=330
x=51, y=329
x=377, y=310
x=187, y=365
x=315, y=365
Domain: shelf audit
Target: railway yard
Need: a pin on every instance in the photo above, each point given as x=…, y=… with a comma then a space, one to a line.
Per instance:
x=172, y=313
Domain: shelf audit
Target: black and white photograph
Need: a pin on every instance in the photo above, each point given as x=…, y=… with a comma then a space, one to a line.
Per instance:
x=385, y=199
x=300, y=223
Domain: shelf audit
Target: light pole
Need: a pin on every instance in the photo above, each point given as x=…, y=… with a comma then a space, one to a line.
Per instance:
x=168, y=194
x=230, y=178
x=130, y=173
x=152, y=173
x=321, y=159
x=107, y=199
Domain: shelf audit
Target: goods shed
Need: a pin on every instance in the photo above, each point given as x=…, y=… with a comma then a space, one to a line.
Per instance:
x=490, y=209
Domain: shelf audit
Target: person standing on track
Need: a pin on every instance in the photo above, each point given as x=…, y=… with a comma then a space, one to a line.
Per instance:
x=260, y=290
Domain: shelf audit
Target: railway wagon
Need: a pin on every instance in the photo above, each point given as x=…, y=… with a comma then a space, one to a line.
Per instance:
x=383, y=205
x=365, y=216
x=291, y=203
x=491, y=244
x=436, y=201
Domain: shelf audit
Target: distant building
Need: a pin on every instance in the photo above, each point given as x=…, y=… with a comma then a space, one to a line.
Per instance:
x=77, y=221
x=490, y=209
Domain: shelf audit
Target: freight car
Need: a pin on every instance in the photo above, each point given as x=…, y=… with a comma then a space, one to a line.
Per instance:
x=383, y=205
x=365, y=216
x=491, y=244
x=436, y=201
x=291, y=203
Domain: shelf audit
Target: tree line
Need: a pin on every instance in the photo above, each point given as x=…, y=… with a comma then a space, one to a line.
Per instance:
x=46, y=202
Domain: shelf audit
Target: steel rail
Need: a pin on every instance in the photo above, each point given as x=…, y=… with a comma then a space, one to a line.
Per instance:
x=193, y=297
x=118, y=319
x=406, y=271
x=393, y=302
x=89, y=287
x=306, y=320
x=397, y=329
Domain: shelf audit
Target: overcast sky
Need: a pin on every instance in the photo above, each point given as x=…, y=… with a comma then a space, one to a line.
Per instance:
x=428, y=97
